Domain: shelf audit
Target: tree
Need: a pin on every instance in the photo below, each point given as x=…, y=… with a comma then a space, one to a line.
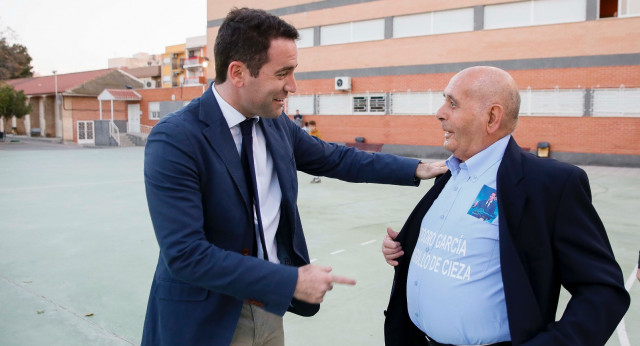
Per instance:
x=15, y=61
x=12, y=103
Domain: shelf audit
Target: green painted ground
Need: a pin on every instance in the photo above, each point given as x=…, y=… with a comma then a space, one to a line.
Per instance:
x=77, y=251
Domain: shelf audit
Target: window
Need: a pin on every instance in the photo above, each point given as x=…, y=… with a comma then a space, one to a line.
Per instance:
x=440, y=22
x=618, y=102
x=360, y=104
x=453, y=21
x=412, y=25
x=536, y=12
x=304, y=103
x=565, y=102
x=369, y=104
x=334, y=104
x=608, y=8
x=418, y=103
x=154, y=110
x=367, y=30
x=629, y=8
x=85, y=132
x=377, y=104
x=306, y=38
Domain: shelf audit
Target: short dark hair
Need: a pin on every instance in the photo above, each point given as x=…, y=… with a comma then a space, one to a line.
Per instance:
x=245, y=36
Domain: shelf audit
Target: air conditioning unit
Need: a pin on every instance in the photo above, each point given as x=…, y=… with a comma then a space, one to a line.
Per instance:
x=149, y=84
x=343, y=83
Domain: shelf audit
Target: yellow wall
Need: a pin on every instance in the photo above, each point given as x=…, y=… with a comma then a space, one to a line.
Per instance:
x=180, y=51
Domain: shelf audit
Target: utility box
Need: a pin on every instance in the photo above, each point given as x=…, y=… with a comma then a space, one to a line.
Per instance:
x=543, y=149
x=342, y=83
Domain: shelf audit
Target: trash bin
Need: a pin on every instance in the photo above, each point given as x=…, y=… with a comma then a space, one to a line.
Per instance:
x=359, y=139
x=35, y=132
x=1, y=136
x=543, y=149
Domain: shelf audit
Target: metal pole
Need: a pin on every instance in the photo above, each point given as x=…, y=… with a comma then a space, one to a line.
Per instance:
x=56, y=113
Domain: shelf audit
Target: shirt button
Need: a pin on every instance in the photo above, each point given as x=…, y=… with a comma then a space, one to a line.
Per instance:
x=415, y=282
x=455, y=188
x=442, y=217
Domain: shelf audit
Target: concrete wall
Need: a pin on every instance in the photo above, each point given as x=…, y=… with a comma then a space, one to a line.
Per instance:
x=101, y=128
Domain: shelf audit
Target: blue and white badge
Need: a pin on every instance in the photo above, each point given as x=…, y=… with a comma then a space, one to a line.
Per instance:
x=485, y=206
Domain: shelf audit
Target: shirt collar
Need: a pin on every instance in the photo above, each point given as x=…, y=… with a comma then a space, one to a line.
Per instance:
x=482, y=161
x=231, y=115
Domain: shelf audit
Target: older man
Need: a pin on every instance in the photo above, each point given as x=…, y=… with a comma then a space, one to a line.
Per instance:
x=463, y=279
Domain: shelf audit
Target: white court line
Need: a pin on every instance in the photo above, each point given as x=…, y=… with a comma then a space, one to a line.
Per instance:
x=622, y=329
x=337, y=252
x=68, y=310
x=368, y=242
x=313, y=260
x=631, y=279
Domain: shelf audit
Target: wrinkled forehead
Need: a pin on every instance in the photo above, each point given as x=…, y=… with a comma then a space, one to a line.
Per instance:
x=459, y=85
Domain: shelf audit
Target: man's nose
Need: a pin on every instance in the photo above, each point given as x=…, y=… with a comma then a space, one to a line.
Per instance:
x=440, y=114
x=290, y=84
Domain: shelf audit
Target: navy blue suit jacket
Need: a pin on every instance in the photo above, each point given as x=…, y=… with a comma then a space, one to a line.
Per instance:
x=550, y=236
x=203, y=220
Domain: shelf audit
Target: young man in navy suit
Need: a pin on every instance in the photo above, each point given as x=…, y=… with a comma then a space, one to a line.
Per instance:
x=221, y=183
x=464, y=279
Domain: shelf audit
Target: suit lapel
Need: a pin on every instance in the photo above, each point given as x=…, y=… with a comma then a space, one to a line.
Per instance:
x=279, y=154
x=219, y=137
x=511, y=198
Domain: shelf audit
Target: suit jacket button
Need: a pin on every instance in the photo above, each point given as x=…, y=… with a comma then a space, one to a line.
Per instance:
x=245, y=252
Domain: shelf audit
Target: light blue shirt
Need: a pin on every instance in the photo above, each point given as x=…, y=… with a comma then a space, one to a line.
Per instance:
x=454, y=287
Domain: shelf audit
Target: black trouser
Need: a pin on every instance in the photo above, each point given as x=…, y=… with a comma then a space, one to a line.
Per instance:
x=432, y=342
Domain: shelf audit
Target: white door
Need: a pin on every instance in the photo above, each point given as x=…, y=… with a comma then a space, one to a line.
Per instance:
x=85, y=132
x=134, y=117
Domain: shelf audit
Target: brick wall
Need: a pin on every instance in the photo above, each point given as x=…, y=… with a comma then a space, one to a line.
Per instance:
x=563, y=78
x=88, y=108
x=566, y=134
x=597, y=135
x=165, y=94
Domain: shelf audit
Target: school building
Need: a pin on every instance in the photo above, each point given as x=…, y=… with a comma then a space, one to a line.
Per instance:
x=376, y=69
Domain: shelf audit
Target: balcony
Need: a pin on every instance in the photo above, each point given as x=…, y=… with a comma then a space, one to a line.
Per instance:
x=196, y=62
x=195, y=81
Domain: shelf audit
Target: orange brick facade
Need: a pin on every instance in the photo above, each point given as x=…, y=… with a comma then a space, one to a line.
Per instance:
x=598, y=135
x=582, y=54
x=165, y=94
x=566, y=134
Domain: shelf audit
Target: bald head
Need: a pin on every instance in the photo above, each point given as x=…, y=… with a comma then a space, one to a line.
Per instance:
x=481, y=107
x=491, y=85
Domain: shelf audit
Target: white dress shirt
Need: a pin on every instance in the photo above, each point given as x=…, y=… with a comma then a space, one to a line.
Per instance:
x=269, y=192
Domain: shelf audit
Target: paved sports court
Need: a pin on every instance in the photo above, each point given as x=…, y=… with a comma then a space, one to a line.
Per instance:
x=77, y=250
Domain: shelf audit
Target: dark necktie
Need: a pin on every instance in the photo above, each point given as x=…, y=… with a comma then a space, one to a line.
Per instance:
x=250, y=175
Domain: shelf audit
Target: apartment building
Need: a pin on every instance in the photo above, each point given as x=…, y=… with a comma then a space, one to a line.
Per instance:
x=172, y=65
x=185, y=64
x=196, y=61
x=376, y=69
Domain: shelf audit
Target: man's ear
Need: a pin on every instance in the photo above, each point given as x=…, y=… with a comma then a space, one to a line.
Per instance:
x=496, y=113
x=236, y=73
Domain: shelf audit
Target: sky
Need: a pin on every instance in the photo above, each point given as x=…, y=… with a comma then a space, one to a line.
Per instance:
x=82, y=35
